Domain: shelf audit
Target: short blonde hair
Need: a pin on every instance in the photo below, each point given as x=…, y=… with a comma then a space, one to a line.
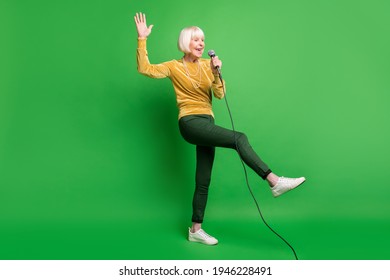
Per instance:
x=185, y=37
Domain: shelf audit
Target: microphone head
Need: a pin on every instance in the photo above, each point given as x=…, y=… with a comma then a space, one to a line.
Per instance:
x=211, y=53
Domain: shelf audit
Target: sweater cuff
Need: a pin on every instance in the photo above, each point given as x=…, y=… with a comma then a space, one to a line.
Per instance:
x=217, y=80
x=142, y=43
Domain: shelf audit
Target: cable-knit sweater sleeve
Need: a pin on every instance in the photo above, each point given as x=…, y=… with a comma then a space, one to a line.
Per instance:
x=144, y=67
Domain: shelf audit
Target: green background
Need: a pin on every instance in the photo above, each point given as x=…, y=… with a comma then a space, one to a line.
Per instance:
x=92, y=165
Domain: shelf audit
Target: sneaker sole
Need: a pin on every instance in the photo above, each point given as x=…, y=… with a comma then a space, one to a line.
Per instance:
x=197, y=241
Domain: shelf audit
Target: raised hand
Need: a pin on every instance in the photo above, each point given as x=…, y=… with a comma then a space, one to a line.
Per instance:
x=142, y=28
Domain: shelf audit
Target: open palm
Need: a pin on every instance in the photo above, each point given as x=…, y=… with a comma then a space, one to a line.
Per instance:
x=142, y=28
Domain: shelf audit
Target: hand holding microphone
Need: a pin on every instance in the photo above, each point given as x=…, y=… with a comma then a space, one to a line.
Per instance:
x=215, y=63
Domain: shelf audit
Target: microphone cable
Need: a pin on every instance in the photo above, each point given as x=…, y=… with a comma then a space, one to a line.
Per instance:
x=244, y=167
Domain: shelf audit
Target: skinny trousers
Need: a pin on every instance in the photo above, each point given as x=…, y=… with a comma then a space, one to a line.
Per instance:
x=200, y=130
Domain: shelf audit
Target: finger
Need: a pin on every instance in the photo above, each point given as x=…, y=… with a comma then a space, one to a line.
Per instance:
x=150, y=27
x=144, y=18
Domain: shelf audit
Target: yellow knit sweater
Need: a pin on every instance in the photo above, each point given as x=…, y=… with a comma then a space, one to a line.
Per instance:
x=193, y=82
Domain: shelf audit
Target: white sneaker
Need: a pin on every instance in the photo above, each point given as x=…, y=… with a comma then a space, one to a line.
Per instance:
x=202, y=237
x=286, y=184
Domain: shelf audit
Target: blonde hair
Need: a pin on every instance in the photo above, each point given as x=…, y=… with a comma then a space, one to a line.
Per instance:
x=185, y=37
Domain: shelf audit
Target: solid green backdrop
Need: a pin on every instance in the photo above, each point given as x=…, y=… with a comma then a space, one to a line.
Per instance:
x=92, y=165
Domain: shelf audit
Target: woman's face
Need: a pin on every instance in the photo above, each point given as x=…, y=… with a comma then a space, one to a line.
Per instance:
x=197, y=46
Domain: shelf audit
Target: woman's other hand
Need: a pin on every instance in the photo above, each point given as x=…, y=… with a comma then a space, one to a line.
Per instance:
x=214, y=63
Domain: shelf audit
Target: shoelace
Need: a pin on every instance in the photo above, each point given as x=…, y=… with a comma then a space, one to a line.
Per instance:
x=288, y=182
x=204, y=234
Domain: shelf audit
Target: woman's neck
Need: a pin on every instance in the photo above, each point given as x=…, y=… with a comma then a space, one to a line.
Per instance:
x=190, y=58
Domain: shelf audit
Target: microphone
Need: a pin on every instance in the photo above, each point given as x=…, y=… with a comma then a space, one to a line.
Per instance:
x=211, y=54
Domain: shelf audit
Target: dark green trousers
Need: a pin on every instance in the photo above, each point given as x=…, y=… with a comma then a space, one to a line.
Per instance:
x=201, y=131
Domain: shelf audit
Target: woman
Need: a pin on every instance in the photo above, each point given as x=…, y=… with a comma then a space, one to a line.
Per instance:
x=194, y=80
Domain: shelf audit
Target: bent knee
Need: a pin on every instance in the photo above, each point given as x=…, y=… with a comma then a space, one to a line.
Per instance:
x=241, y=138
